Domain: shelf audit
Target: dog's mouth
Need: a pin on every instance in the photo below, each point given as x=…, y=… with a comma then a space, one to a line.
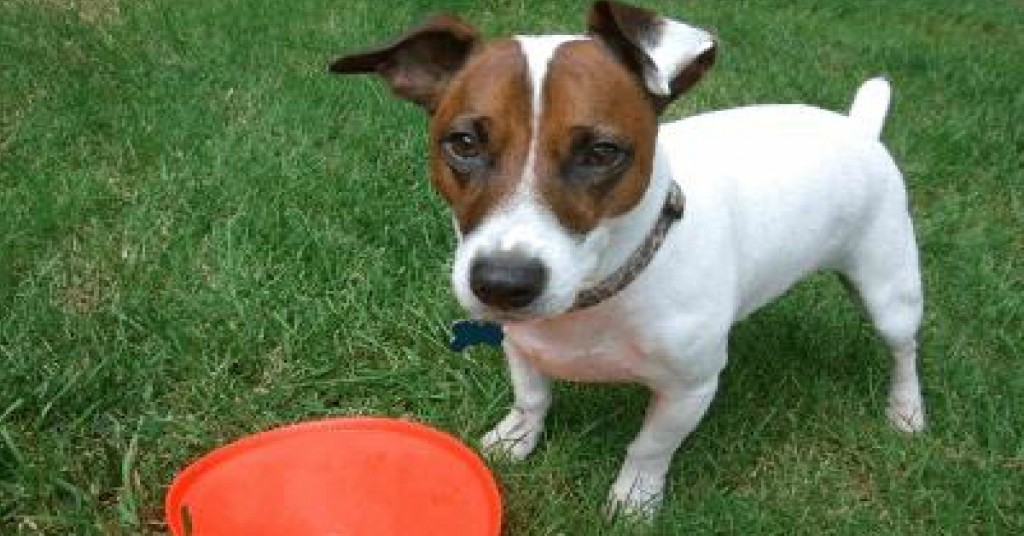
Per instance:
x=537, y=311
x=501, y=316
x=505, y=317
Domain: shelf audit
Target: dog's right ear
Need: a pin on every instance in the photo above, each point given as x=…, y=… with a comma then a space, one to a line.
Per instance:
x=668, y=56
x=419, y=64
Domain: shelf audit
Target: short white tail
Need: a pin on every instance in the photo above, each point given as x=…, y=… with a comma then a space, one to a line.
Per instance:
x=870, y=105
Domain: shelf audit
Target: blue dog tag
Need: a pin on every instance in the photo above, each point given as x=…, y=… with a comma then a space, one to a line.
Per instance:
x=466, y=333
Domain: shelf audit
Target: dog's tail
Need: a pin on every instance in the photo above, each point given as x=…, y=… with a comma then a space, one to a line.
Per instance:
x=870, y=105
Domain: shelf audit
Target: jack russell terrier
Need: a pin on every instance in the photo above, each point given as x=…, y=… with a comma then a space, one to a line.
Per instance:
x=612, y=249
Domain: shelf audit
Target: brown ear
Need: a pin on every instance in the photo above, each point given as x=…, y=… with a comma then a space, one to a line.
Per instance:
x=668, y=56
x=419, y=64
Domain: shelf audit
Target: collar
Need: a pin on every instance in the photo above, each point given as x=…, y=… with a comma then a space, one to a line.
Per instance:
x=671, y=212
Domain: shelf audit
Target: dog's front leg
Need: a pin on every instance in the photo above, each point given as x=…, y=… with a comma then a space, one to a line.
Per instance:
x=673, y=413
x=518, y=433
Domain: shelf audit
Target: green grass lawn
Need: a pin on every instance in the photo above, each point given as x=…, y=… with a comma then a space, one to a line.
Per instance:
x=203, y=235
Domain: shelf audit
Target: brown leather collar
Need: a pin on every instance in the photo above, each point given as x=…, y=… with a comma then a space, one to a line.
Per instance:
x=671, y=212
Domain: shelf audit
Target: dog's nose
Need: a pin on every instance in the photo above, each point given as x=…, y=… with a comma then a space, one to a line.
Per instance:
x=507, y=280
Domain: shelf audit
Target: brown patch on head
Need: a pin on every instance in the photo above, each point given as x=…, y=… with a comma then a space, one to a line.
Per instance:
x=489, y=98
x=589, y=97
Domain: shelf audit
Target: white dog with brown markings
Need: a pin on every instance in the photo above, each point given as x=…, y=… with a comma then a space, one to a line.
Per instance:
x=614, y=249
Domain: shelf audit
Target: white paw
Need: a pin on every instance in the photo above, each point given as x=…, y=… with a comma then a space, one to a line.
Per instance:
x=635, y=496
x=515, y=436
x=906, y=413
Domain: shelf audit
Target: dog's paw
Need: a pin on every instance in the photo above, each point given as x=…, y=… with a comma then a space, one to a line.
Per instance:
x=635, y=497
x=906, y=413
x=514, y=437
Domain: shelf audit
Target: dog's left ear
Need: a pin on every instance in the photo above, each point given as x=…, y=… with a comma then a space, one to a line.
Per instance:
x=668, y=56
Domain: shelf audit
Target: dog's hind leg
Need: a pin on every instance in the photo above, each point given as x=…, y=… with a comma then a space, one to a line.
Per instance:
x=517, y=434
x=883, y=271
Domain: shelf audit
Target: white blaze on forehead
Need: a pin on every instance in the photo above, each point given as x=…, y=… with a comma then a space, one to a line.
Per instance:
x=538, y=51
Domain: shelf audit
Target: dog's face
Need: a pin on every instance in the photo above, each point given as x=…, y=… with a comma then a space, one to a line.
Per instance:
x=538, y=144
x=532, y=177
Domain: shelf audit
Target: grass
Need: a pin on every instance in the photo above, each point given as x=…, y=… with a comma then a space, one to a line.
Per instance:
x=203, y=235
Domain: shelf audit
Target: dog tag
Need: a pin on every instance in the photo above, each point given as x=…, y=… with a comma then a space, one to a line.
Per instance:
x=466, y=333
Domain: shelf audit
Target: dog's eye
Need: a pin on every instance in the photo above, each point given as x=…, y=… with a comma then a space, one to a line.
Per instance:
x=596, y=158
x=464, y=152
x=462, y=146
x=465, y=146
x=601, y=155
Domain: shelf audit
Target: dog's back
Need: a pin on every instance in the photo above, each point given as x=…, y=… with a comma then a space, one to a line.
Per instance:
x=791, y=184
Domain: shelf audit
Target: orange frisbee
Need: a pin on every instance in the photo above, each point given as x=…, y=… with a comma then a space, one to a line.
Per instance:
x=337, y=477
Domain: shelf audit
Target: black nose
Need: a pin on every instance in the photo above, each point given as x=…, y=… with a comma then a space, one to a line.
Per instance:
x=507, y=280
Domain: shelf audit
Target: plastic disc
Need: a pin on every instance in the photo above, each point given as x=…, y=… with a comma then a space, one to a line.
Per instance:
x=337, y=477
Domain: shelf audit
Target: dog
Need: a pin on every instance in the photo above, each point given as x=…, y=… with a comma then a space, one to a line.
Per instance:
x=612, y=249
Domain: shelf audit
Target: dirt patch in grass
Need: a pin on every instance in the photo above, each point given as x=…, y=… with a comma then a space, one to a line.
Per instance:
x=83, y=284
x=100, y=12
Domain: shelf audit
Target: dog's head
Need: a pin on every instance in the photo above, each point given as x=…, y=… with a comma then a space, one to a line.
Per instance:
x=538, y=143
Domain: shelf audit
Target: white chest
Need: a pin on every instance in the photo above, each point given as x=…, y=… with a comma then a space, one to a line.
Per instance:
x=590, y=350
